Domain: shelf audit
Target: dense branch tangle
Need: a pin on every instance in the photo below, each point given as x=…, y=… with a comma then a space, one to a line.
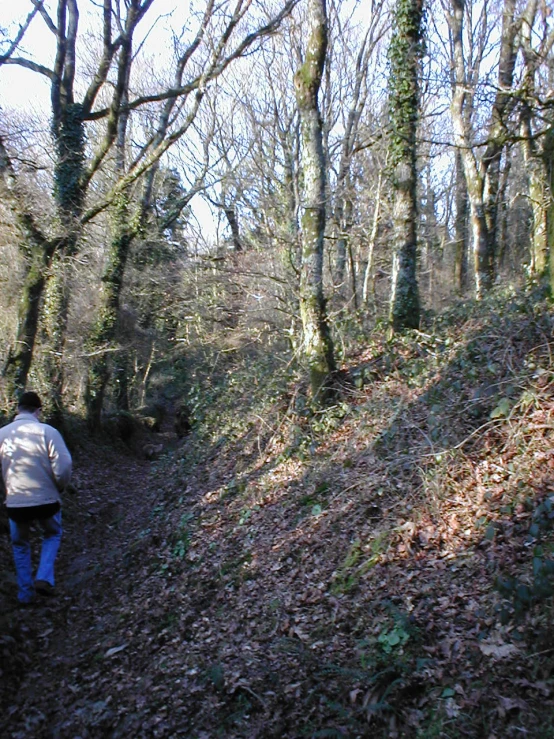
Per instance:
x=218, y=41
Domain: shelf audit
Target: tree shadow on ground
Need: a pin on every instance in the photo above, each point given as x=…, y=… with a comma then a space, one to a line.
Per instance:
x=378, y=552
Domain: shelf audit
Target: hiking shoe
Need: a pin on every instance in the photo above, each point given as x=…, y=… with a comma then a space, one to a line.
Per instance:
x=43, y=587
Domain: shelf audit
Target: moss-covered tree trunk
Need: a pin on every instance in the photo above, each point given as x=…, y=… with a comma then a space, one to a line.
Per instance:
x=69, y=138
x=538, y=196
x=103, y=334
x=317, y=343
x=404, y=54
x=37, y=251
x=535, y=148
x=123, y=231
x=19, y=360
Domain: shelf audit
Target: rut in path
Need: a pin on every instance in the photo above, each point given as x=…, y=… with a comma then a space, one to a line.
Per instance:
x=59, y=640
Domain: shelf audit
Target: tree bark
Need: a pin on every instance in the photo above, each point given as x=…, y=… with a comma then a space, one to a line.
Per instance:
x=101, y=340
x=369, y=275
x=404, y=54
x=548, y=158
x=534, y=148
x=460, y=228
x=482, y=261
x=231, y=216
x=317, y=343
x=502, y=106
x=72, y=176
x=18, y=364
x=37, y=251
x=104, y=331
x=483, y=177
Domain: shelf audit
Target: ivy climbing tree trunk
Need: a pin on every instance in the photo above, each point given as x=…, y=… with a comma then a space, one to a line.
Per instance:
x=216, y=45
x=37, y=251
x=69, y=138
x=18, y=363
x=317, y=343
x=405, y=51
x=68, y=135
x=101, y=339
x=535, y=49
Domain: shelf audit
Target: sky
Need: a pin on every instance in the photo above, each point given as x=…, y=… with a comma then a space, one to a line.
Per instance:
x=28, y=91
x=25, y=90
x=20, y=87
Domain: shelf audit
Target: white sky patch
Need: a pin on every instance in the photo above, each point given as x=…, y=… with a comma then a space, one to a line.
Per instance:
x=25, y=90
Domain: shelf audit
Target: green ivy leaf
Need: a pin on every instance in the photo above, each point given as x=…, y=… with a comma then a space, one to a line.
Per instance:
x=503, y=409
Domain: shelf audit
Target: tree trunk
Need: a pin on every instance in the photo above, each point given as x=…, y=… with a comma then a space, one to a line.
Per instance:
x=502, y=225
x=404, y=310
x=369, y=277
x=121, y=381
x=317, y=344
x=38, y=251
x=344, y=248
x=482, y=257
x=231, y=216
x=53, y=324
x=482, y=261
x=69, y=137
x=123, y=230
x=349, y=208
x=19, y=360
x=548, y=158
x=536, y=163
x=103, y=334
x=404, y=53
x=503, y=103
x=460, y=229
x=483, y=178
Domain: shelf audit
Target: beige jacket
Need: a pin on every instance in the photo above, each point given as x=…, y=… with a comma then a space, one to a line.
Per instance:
x=36, y=464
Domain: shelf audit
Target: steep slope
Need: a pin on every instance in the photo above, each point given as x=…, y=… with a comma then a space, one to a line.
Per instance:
x=381, y=568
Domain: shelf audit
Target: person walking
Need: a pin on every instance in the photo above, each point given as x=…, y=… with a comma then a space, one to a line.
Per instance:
x=36, y=467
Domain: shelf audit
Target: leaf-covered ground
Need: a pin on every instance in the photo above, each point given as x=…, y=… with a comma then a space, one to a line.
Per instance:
x=380, y=569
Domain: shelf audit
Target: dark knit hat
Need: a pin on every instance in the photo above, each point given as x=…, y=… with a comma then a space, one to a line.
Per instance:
x=30, y=400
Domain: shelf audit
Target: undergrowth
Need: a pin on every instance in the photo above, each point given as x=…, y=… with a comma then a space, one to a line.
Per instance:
x=397, y=546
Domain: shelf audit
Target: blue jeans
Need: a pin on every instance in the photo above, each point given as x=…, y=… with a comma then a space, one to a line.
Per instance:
x=21, y=545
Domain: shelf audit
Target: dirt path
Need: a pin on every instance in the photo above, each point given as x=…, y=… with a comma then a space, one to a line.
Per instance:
x=57, y=647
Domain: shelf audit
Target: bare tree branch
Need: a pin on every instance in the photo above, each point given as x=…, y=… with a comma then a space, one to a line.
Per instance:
x=33, y=66
x=15, y=201
x=216, y=69
x=39, y=5
x=22, y=30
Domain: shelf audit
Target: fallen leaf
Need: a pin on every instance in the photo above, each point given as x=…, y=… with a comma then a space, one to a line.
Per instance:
x=498, y=651
x=115, y=650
